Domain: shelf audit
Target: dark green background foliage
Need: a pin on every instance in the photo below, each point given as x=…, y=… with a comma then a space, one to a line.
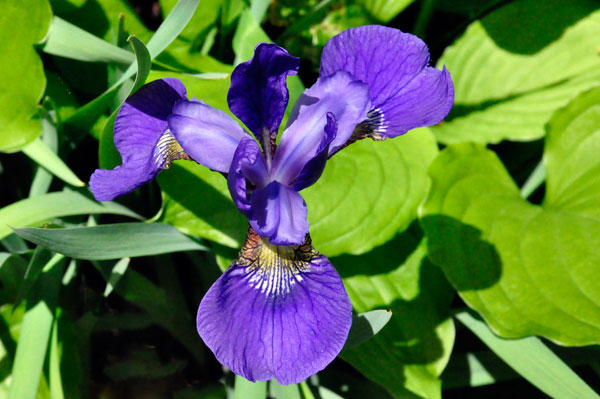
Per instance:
x=469, y=249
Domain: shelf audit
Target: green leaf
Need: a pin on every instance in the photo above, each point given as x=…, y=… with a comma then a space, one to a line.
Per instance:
x=529, y=270
x=39, y=152
x=108, y=156
x=70, y=41
x=111, y=241
x=533, y=360
x=172, y=26
x=514, y=68
x=42, y=178
x=24, y=23
x=37, y=210
x=279, y=391
x=197, y=201
x=166, y=33
x=366, y=325
x=244, y=389
x=160, y=309
x=417, y=341
x=258, y=9
x=247, y=35
x=143, y=364
x=116, y=273
x=35, y=334
x=205, y=16
x=368, y=192
x=384, y=10
x=56, y=388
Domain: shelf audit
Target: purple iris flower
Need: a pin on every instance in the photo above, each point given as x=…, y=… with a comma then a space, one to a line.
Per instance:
x=280, y=310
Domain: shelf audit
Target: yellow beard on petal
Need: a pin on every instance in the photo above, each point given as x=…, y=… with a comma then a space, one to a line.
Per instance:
x=168, y=150
x=273, y=269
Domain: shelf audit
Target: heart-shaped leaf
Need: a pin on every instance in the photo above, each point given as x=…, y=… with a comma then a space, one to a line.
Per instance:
x=516, y=66
x=368, y=192
x=527, y=269
x=24, y=23
x=417, y=341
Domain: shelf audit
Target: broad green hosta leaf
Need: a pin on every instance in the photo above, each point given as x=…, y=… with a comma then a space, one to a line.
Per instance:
x=197, y=201
x=366, y=325
x=516, y=66
x=368, y=192
x=411, y=351
x=23, y=24
x=527, y=269
x=384, y=10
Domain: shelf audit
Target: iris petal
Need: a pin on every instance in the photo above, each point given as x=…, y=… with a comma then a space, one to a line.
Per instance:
x=248, y=162
x=341, y=95
x=277, y=312
x=207, y=134
x=142, y=138
x=314, y=168
x=406, y=93
x=258, y=94
x=279, y=213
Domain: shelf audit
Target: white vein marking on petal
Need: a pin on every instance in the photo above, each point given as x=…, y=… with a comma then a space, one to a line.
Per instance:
x=273, y=269
x=374, y=126
x=167, y=150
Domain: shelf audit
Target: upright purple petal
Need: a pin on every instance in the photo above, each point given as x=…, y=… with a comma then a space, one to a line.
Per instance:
x=339, y=94
x=277, y=312
x=258, y=94
x=314, y=168
x=248, y=162
x=207, y=134
x=406, y=93
x=279, y=213
x=142, y=138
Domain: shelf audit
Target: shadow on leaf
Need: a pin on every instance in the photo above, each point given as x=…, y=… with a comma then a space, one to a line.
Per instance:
x=469, y=262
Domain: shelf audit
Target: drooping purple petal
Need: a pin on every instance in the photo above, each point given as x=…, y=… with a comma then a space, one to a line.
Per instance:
x=207, y=134
x=277, y=312
x=339, y=94
x=279, y=213
x=248, y=162
x=406, y=93
x=142, y=138
x=258, y=94
x=314, y=168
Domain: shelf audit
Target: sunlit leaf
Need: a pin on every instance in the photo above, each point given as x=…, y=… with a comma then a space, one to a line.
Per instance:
x=35, y=333
x=368, y=192
x=527, y=269
x=24, y=23
x=44, y=156
x=244, y=389
x=366, y=325
x=515, y=67
x=384, y=10
x=417, y=341
x=70, y=41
